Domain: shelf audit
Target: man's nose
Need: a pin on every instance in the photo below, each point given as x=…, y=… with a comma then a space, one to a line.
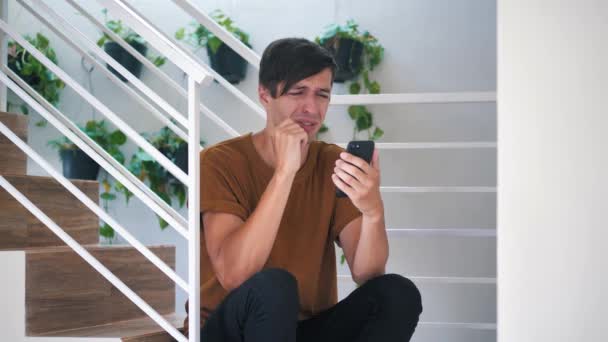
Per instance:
x=310, y=104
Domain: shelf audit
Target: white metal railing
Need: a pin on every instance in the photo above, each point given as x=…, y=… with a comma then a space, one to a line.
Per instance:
x=197, y=76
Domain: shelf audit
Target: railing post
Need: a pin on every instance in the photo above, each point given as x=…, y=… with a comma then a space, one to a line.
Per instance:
x=3, y=54
x=194, y=209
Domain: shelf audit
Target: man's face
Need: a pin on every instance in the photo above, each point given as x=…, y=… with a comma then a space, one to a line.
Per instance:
x=306, y=103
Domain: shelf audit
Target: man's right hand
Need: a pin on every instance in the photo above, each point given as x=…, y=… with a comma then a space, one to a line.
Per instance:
x=289, y=141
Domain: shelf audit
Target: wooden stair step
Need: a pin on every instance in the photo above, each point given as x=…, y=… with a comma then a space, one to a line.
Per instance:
x=135, y=330
x=64, y=292
x=20, y=229
x=14, y=160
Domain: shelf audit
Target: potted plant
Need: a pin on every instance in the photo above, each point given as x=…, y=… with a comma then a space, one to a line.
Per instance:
x=33, y=72
x=76, y=163
x=160, y=180
x=121, y=55
x=357, y=54
x=223, y=59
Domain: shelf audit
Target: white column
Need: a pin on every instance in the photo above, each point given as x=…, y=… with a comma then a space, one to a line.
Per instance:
x=553, y=170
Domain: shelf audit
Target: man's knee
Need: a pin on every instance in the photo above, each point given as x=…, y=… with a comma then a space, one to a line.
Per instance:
x=276, y=286
x=396, y=292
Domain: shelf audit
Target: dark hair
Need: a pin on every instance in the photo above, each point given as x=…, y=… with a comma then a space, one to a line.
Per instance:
x=291, y=60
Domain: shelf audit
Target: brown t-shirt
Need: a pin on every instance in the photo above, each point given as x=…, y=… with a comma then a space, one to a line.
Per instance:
x=233, y=178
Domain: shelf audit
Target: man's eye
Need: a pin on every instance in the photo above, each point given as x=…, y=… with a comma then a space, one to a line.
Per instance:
x=297, y=93
x=324, y=96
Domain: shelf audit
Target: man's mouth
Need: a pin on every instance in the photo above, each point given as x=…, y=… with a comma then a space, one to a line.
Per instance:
x=307, y=126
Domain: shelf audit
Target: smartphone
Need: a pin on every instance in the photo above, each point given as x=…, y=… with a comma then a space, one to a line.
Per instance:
x=363, y=149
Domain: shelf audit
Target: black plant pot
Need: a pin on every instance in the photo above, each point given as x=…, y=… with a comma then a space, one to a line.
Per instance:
x=125, y=59
x=78, y=165
x=228, y=63
x=181, y=157
x=347, y=53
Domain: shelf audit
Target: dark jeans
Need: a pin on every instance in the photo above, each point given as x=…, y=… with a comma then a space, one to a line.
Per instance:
x=265, y=309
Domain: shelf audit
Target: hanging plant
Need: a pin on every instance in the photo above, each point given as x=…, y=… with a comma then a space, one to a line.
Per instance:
x=223, y=59
x=77, y=164
x=34, y=73
x=356, y=54
x=162, y=182
x=121, y=55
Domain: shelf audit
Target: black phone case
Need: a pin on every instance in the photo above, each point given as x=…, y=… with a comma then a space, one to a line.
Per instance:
x=363, y=149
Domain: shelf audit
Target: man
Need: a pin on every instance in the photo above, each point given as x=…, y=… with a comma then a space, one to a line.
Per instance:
x=270, y=218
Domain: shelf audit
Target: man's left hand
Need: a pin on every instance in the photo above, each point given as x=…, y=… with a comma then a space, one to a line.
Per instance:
x=360, y=181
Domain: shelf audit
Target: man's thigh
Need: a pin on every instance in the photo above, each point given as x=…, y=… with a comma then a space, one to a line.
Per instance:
x=341, y=323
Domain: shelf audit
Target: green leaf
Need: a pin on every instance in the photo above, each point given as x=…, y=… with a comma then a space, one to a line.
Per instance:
x=41, y=123
x=180, y=34
x=364, y=121
x=374, y=88
x=355, y=88
x=342, y=259
x=143, y=156
x=162, y=223
x=214, y=44
x=24, y=109
x=118, y=138
x=378, y=133
x=323, y=128
x=107, y=196
x=106, y=231
x=159, y=61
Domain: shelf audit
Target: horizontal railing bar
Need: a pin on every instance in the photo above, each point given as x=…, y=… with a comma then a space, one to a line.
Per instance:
x=404, y=98
x=157, y=39
x=442, y=280
x=458, y=325
x=94, y=207
x=91, y=260
x=434, y=189
x=110, y=115
x=430, y=145
x=99, y=155
x=117, y=82
x=468, y=232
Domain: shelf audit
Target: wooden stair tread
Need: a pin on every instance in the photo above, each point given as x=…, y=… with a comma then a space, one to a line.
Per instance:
x=141, y=329
x=14, y=160
x=20, y=229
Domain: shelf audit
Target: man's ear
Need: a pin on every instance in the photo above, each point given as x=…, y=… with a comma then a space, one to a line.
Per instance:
x=264, y=95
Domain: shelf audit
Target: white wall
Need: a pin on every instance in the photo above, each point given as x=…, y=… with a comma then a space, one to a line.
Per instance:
x=553, y=162
x=431, y=46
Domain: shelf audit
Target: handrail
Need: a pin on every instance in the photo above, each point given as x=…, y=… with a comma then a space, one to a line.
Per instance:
x=158, y=40
x=66, y=27
x=164, y=77
x=221, y=80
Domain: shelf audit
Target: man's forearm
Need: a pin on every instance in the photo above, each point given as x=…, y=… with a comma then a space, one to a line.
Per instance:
x=248, y=248
x=372, y=249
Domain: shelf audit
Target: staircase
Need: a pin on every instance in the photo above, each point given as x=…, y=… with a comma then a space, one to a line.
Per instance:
x=51, y=294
